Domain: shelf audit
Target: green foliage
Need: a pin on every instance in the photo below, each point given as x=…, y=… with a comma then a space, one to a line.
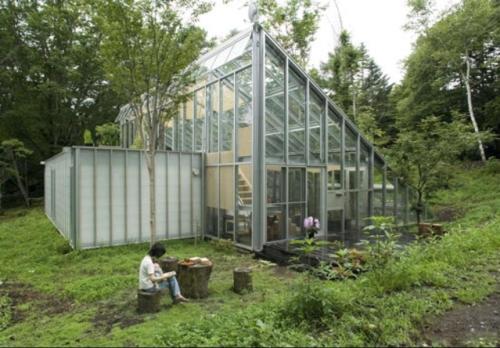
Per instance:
x=382, y=243
x=87, y=138
x=12, y=154
x=422, y=154
x=108, y=134
x=435, y=79
x=359, y=87
x=5, y=312
x=293, y=24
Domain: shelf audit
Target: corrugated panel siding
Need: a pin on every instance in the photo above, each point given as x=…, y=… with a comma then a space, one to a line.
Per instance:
x=112, y=195
x=57, y=191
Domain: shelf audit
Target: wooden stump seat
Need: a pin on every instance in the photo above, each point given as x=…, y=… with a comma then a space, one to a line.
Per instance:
x=427, y=230
x=193, y=279
x=148, y=302
x=242, y=277
x=169, y=264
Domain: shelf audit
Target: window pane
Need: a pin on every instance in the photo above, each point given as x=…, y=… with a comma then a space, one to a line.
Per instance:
x=296, y=118
x=213, y=131
x=227, y=120
x=212, y=200
x=314, y=192
x=378, y=184
x=316, y=114
x=401, y=206
x=350, y=159
x=296, y=185
x=276, y=223
x=244, y=205
x=296, y=216
x=200, y=120
x=275, y=105
x=334, y=135
x=351, y=215
x=188, y=126
x=244, y=114
x=226, y=226
x=389, y=194
x=275, y=181
x=335, y=224
x=169, y=135
x=364, y=167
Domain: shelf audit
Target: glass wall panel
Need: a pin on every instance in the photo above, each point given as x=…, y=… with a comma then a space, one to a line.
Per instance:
x=212, y=200
x=169, y=135
x=276, y=216
x=389, y=194
x=275, y=182
x=226, y=213
x=364, y=200
x=275, y=105
x=335, y=224
x=378, y=185
x=334, y=124
x=199, y=136
x=244, y=205
x=226, y=125
x=401, y=203
x=364, y=167
x=351, y=216
x=350, y=165
x=244, y=114
x=213, y=129
x=314, y=192
x=296, y=118
x=188, y=125
x=296, y=185
x=180, y=127
x=316, y=114
x=412, y=203
x=296, y=216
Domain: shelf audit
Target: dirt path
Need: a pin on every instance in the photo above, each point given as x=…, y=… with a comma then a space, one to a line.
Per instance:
x=467, y=325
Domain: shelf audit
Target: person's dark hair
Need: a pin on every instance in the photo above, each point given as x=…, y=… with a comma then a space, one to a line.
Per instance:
x=157, y=250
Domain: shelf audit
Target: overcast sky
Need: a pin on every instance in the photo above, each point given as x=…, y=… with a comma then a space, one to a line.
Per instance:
x=376, y=23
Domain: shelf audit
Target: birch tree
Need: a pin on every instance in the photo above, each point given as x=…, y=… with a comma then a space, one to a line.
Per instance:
x=148, y=48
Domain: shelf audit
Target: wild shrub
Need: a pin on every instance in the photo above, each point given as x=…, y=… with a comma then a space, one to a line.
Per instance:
x=312, y=301
x=382, y=243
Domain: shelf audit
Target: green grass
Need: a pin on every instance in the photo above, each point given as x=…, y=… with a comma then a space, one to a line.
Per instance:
x=95, y=289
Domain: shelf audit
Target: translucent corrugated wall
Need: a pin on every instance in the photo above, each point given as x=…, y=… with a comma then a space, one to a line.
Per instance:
x=109, y=201
x=58, y=192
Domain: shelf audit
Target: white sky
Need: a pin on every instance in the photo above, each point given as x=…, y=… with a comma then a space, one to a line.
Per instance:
x=376, y=23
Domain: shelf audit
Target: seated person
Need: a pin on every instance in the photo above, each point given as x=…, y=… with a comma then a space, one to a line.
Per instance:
x=151, y=277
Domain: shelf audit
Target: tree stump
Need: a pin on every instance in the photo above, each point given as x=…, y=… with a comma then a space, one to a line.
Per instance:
x=169, y=264
x=427, y=230
x=242, y=277
x=148, y=302
x=193, y=279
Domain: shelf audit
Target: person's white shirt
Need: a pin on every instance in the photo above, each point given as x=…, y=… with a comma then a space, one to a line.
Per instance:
x=146, y=268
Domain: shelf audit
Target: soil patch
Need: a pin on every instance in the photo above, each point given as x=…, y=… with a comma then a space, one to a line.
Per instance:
x=21, y=293
x=466, y=323
x=447, y=213
x=111, y=314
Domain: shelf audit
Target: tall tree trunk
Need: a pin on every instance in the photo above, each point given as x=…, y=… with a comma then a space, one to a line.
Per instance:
x=471, y=110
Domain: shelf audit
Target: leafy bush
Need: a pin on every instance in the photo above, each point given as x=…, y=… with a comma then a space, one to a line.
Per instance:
x=381, y=245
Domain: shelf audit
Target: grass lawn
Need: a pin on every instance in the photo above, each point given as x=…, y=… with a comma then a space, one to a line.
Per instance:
x=49, y=296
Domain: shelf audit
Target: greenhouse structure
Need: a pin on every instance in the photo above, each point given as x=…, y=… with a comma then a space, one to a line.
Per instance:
x=256, y=148
x=276, y=150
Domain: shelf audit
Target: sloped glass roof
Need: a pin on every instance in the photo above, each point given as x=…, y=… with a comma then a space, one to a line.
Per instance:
x=230, y=55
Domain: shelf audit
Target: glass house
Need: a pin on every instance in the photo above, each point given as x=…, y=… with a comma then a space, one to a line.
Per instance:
x=276, y=149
